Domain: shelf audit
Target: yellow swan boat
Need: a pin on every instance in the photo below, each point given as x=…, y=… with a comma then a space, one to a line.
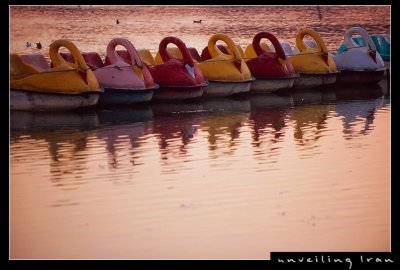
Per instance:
x=315, y=65
x=36, y=86
x=227, y=74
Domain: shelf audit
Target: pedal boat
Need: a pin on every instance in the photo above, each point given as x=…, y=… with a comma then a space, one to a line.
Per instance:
x=34, y=86
x=228, y=74
x=315, y=65
x=179, y=78
x=382, y=44
x=126, y=80
x=273, y=70
x=359, y=64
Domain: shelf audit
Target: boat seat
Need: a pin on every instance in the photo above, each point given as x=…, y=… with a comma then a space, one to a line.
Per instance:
x=37, y=60
x=70, y=58
x=175, y=52
x=250, y=53
x=308, y=42
x=123, y=54
x=286, y=47
x=19, y=69
x=93, y=60
x=195, y=54
x=146, y=57
x=205, y=54
x=67, y=57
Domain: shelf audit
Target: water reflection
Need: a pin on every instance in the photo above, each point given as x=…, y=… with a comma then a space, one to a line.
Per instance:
x=42, y=121
x=362, y=92
x=125, y=115
x=347, y=102
x=268, y=119
x=310, y=116
x=124, y=131
x=358, y=105
x=66, y=136
x=68, y=158
x=175, y=125
x=121, y=125
x=116, y=171
x=224, y=124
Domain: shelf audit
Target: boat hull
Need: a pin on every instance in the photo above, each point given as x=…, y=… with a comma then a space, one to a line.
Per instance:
x=224, y=89
x=21, y=100
x=314, y=80
x=177, y=93
x=114, y=97
x=360, y=77
x=271, y=85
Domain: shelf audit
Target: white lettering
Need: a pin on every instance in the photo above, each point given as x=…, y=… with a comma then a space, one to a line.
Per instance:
x=350, y=262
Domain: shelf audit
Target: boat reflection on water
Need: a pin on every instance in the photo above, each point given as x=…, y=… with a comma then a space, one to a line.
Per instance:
x=223, y=123
x=268, y=119
x=349, y=102
x=269, y=100
x=175, y=125
x=66, y=136
x=125, y=115
x=309, y=117
x=175, y=134
x=227, y=104
x=309, y=96
x=385, y=85
x=175, y=108
x=362, y=92
x=53, y=121
x=122, y=130
x=357, y=107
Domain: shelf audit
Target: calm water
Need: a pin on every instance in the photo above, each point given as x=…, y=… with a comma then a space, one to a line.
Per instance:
x=219, y=178
x=91, y=28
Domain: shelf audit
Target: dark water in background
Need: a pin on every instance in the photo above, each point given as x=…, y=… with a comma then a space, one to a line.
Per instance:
x=219, y=178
